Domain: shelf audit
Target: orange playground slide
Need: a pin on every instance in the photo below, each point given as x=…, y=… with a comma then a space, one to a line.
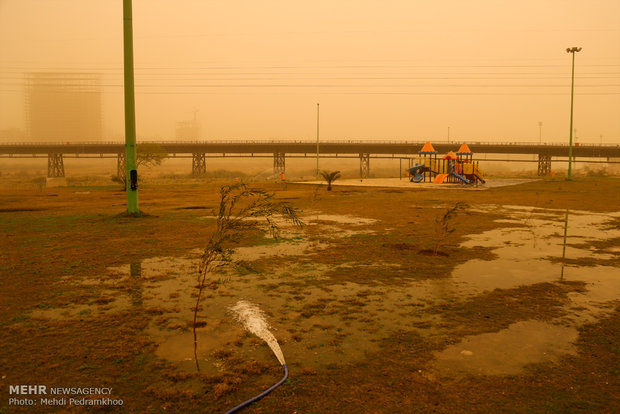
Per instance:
x=439, y=178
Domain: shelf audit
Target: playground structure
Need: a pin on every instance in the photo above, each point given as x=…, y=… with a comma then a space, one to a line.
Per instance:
x=451, y=168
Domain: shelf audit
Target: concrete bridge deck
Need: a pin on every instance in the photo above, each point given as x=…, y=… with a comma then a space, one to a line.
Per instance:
x=308, y=147
x=199, y=150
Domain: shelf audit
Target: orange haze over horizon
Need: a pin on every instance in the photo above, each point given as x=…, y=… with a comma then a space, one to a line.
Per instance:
x=383, y=70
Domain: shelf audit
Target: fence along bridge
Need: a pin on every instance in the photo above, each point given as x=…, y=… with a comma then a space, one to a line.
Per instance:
x=280, y=150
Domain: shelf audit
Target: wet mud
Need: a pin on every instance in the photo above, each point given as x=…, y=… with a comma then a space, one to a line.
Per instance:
x=323, y=323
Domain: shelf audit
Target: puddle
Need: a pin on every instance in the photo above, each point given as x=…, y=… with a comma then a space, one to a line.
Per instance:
x=316, y=326
x=313, y=217
x=320, y=323
x=524, y=257
x=524, y=253
x=288, y=248
x=507, y=352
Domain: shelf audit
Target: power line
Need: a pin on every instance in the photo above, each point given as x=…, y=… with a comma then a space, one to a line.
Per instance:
x=301, y=85
x=440, y=77
x=204, y=92
x=455, y=66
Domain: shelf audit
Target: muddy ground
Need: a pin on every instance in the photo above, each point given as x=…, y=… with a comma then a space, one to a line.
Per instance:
x=510, y=305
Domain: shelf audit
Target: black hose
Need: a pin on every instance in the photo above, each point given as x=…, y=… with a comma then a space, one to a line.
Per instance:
x=261, y=395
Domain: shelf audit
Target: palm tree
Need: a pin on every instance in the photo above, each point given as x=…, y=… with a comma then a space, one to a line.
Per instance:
x=330, y=177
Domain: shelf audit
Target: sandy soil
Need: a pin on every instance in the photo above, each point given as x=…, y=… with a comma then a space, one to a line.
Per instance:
x=404, y=183
x=387, y=300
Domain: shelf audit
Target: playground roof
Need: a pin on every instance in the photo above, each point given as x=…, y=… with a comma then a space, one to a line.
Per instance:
x=450, y=156
x=428, y=148
x=464, y=149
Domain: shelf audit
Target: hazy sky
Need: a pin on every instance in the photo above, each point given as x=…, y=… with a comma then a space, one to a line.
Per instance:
x=489, y=70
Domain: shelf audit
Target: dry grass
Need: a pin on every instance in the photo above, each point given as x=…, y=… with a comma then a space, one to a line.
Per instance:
x=55, y=237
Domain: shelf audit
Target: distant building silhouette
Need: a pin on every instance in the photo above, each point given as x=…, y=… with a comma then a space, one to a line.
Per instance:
x=11, y=135
x=63, y=107
x=187, y=130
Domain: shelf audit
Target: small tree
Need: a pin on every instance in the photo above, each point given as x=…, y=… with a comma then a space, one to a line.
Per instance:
x=330, y=177
x=442, y=226
x=239, y=205
x=148, y=155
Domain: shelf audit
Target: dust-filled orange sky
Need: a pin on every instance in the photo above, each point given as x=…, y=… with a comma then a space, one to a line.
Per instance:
x=486, y=70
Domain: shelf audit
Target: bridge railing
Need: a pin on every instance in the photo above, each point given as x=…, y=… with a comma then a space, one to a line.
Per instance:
x=394, y=142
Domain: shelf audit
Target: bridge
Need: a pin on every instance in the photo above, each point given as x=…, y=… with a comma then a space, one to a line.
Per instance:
x=199, y=151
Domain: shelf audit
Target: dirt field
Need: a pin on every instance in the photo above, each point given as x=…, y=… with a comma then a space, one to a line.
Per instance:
x=511, y=304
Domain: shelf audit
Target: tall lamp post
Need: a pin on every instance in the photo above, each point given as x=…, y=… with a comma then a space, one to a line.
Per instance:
x=131, y=167
x=572, y=50
x=317, y=140
x=540, y=132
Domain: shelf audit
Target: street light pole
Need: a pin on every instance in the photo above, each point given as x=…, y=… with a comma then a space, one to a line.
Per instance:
x=572, y=50
x=131, y=167
x=317, y=140
x=540, y=132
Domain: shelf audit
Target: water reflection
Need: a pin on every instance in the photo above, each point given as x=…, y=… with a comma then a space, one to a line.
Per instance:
x=135, y=275
x=564, y=244
x=135, y=269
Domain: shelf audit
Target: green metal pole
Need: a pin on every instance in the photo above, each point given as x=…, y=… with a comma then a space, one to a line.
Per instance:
x=131, y=169
x=570, y=143
x=317, y=140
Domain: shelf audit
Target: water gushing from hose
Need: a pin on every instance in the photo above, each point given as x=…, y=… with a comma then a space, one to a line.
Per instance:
x=253, y=320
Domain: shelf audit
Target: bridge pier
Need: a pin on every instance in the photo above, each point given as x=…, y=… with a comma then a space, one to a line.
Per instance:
x=199, y=164
x=364, y=165
x=544, y=164
x=279, y=162
x=55, y=165
x=120, y=166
